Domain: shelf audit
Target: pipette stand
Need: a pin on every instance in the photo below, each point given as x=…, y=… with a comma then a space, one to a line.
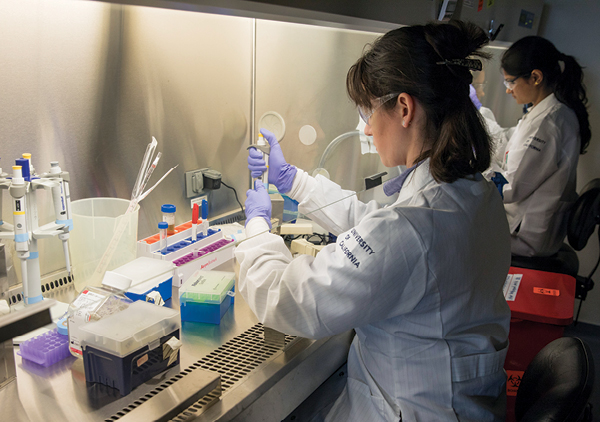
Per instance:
x=25, y=230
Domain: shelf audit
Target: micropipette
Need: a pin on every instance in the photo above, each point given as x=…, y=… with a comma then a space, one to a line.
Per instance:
x=62, y=199
x=262, y=146
x=17, y=191
x=265, y=176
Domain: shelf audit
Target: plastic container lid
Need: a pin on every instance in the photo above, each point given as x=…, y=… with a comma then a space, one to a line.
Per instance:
x=62, y=327
x=145, y=273
x=167, y=208
x=129, y=330
x=543, y=297
x=207, y=287
x=163, y=225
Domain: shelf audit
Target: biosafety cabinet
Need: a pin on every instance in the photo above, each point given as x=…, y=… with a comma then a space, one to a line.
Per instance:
x=88, y=83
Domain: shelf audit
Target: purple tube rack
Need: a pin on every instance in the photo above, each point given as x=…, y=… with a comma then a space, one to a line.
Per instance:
x=210, y=248
x=186, y=242
x=45, y=349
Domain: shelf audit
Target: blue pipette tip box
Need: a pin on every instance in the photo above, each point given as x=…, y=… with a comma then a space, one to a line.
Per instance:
x=206, y=296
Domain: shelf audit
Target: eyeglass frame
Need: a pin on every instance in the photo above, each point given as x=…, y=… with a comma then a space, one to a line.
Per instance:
x=511, y=84
x=366, y=115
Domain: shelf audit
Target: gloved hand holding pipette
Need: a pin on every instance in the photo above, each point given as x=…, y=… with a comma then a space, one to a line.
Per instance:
x=258, y=203
x=281, y=174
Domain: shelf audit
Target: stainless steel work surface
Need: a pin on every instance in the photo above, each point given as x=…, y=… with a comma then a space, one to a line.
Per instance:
x=255, y=376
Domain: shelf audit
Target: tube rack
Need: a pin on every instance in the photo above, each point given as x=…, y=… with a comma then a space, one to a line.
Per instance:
x=206, y=253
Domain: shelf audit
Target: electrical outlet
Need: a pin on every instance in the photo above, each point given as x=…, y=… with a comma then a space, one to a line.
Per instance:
x=198, y=201
x=194, y=183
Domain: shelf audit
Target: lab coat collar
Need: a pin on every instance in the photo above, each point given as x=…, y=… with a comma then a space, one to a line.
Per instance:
x=419, y=178
x=542, y=107
x=394, y=185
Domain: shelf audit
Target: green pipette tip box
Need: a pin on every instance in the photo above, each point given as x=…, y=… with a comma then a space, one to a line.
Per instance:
x=207, y=287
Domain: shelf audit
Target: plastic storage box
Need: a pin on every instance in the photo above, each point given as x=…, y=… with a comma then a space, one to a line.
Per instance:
x=147, y=275
x=541, y=305
x=92, y=304
x=206, y=296
x=125, y=349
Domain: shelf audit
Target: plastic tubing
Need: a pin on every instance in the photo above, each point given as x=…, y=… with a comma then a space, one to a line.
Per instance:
x=334, y=143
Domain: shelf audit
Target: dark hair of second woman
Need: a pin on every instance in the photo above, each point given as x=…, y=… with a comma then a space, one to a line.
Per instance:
x=407, y=60
x=535, y=52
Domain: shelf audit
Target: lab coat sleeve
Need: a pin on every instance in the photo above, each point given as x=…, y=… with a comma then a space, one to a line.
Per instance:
x=531, y=161
x=325, y=202
x=375, y=271
x=499, y=135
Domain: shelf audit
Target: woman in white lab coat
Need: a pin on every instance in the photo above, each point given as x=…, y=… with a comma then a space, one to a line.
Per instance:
x=419, y=281
x=538, y=158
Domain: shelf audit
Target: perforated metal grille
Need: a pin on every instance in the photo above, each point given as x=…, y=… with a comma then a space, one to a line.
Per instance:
x=234, y=361
x=228, y=218
x=50, y=284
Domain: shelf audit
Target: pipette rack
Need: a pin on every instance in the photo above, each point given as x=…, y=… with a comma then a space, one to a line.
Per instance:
x=207, y=252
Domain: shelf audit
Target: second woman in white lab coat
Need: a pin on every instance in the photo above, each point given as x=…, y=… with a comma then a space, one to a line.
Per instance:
x=419, y=281
x=538, y=158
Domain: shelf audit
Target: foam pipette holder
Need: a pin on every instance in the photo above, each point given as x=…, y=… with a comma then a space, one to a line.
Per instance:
x=207, y=252
x=45, y=349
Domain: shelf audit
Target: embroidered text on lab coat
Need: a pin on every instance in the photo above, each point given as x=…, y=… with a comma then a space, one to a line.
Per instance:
x=531, y=139
x=361, y=242
x=349, y=253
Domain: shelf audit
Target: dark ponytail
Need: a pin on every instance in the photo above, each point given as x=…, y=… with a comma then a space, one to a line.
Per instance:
x=566, y=82
x=433, y=64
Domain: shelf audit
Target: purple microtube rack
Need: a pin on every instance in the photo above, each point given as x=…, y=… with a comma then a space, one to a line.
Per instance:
x=207, y=249
x=186, y=242
x=45, y=349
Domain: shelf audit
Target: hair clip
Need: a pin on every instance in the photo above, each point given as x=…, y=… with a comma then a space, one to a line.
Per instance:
x=472, y=64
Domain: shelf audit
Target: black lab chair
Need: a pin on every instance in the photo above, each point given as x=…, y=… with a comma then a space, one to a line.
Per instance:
x=557, y=384
x=583, y=218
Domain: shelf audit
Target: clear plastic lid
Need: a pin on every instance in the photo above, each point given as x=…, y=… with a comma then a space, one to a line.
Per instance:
x=207, y=287
x=127, y=331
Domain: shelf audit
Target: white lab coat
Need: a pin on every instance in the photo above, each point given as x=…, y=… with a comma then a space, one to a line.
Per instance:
x=539, y=159
x=420, y=281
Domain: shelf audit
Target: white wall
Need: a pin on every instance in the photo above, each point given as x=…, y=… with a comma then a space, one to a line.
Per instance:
x=572, y=25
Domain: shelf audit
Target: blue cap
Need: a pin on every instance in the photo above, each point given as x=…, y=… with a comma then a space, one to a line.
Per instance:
x=204, y=209
x=167, y=208
x=24, y=163
x=163, y=225
x=61, y=326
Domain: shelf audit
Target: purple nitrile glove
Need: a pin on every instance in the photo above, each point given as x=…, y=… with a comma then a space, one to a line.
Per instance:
x=256, y=163
x=473, y=97
x=281, y=174
x=258, y=203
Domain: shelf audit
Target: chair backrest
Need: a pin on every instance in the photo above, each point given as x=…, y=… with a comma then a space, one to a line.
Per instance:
x=557, y=384
x=584, y=215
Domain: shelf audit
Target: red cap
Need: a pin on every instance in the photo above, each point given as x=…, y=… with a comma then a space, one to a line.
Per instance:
x=195, y=212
